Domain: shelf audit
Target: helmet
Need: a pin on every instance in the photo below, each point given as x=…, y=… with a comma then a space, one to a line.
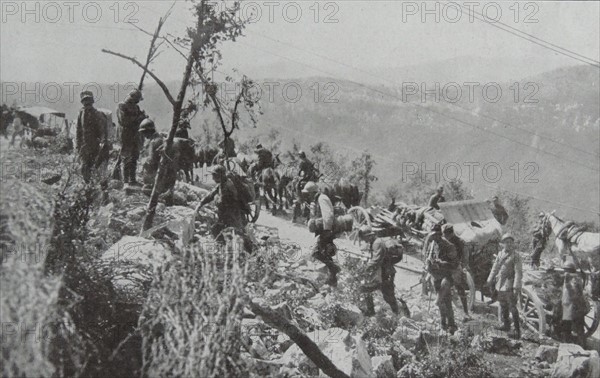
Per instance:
x=310, y=188
x=136, y=95
x=147, y=125
x=302, y=154
x=218, y=170
x=258, y=147
x=507, y=236
x=86, y=94
x=447, y=228
x=440, y=188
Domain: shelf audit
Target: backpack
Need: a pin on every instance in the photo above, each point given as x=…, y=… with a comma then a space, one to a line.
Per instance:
x=244, y=188
x=394, y=251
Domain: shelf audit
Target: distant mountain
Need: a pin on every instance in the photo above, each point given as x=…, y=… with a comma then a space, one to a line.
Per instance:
x=548, y=148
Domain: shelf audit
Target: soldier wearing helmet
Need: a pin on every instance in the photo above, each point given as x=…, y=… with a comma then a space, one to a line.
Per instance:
x=574, y=305
x=91, y=136
x=325, y=249
x=459, y=276
x=265, y=160
x=380, y=271
x=442, y=261
x=130, y=117
x=506, y=277
x=154, y=148
x=229, y=211
x=437, y=198
x=307, y=170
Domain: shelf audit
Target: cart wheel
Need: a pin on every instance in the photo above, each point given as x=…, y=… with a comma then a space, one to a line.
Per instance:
x=531, y=310
x=592, y=318
x=360, y=217
x=252, y=217
x=469, y=291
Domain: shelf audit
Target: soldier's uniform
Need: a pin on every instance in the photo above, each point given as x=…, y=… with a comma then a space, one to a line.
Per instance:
x=154, y=149
x=507, y=276
x=18, y=130
x=538, y=241
x=574, y=306
x=130, y=117
x=442, y=261
x=380, y=273
x=437, y=198
x=324, y=249
x=459, y=277
x=265, y=160
x=229, y=211
x=91, y=136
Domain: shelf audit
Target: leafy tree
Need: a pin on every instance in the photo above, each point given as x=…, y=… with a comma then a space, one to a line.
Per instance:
x=455, y=191
x=520, y=218
x=362, y=174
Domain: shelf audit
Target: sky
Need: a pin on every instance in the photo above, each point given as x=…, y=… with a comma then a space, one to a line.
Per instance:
x=58, y=42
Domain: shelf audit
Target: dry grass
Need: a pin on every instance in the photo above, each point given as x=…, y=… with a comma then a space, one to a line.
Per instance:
x=191, y=322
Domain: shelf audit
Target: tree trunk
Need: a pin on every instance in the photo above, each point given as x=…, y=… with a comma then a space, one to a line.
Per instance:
x=309, y=348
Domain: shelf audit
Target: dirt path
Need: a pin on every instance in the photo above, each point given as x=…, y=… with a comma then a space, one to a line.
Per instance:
x=299, y=234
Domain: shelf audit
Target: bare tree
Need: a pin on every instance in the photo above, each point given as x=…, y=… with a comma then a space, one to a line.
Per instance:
x=214, y=25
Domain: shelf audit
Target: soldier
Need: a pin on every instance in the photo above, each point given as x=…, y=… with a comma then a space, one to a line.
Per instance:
x=155, y=147
x=91, y=136
x=442, y=261
x=574, y=305
x=538, y=241
x=130, y=116
x=380, y=270
x=506, y=275
x=229, y=210
x=325, y=249
x=499, y=211
x=437, y=198
x=182, y=130
x=459, y=276
x=265, y=160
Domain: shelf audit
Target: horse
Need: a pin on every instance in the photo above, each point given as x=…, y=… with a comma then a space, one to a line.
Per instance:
x=347, y=193
x=205, y=155
x=269, y=179
x=569, y=238
x=186, y=155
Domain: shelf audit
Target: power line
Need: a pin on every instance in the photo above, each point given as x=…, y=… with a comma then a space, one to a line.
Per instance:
x=495, y=24
x=429, y=110
x=449, y=103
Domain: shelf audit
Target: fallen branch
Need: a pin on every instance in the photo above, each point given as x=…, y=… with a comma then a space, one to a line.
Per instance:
x=310, y=349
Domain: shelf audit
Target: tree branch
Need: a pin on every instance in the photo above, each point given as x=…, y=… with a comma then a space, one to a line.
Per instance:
x=152, y=75
x=310, y=349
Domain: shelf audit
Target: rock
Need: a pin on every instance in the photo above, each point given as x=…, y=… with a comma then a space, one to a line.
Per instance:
x=181, y=222
x=575, y=362
x=383, y=366
x=133, y=261
x=498, y=345
x=412, y=370
x=547, y=353
x=115, y=185
x=348, y=353
x=347, y=315
x=309, y=315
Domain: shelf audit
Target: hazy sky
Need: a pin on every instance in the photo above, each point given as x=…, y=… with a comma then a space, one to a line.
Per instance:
x=367, y=35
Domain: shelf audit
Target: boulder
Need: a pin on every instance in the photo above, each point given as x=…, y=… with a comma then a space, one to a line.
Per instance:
x=383, y=367
x=180, y=222
x=348, y=353
x=575, y=362
x=133, y=261
x=547, y=353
